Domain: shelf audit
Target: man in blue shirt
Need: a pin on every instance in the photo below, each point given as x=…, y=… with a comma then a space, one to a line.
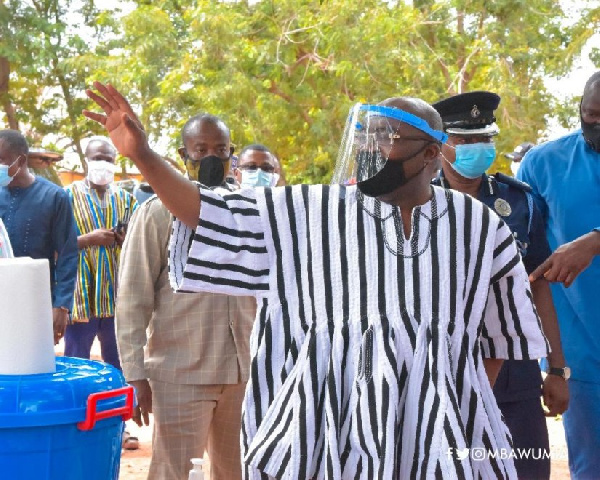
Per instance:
x=565, y=177
x=40, y=223
x=470, y=124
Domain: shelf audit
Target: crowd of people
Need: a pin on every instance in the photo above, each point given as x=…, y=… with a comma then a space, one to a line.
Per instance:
x=379, y=326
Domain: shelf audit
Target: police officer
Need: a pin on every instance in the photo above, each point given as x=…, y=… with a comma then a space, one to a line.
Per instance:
x=470, y=124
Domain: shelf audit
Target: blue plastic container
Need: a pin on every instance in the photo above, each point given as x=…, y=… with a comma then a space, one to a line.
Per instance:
x=66, y=425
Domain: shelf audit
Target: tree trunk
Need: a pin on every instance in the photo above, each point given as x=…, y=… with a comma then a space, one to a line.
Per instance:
x=72, y=114
x=7, y=105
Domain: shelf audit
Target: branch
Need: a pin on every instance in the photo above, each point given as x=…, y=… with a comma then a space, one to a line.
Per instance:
x=469, y=74
x=7, y=105
x=370, y=74
x=441, y=63
x=275, y=90
x=462, y=76
x=345, y=90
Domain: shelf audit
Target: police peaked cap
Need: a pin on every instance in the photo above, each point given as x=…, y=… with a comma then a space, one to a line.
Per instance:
x=469, y=113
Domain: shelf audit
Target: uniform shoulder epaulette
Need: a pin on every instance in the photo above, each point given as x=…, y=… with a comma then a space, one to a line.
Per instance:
x=513, y=182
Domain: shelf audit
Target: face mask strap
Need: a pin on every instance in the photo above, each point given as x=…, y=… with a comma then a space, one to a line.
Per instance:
x=7, y=179
x=12, y=164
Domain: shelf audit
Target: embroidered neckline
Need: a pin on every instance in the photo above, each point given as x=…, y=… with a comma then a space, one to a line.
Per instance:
x=430, y=215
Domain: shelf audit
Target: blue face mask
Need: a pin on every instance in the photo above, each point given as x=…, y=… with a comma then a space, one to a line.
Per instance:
x=472, y=160
x=258, y=178
x=5, y=178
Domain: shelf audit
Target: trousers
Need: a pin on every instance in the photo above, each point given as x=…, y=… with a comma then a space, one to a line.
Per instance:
x=80, y=335
x=582, y=429
x=189, y=419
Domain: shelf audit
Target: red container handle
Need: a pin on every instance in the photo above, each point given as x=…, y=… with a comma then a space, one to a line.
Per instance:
x=92, y=415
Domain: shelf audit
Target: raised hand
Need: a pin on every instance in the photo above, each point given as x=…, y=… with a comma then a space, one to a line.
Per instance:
x=121, y=123
x=177, y=193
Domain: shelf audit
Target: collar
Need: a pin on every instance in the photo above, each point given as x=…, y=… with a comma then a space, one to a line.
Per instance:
x=489, y=186
x=89, y=188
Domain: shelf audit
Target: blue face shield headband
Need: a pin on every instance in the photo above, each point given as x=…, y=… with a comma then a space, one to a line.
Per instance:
x=408, y=118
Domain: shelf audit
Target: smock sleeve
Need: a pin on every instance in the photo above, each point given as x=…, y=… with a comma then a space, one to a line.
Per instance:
x=227, y=252
x=511, y=326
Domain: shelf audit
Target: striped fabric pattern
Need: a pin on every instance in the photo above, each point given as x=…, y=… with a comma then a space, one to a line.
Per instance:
x=96, y=283
x=367, y=347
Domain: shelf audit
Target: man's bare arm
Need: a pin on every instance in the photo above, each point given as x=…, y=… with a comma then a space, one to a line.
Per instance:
x=177, y=193
x=542, y=297
x=492, y=368
x=556, y=391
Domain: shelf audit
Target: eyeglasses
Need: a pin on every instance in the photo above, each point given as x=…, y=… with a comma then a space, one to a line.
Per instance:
x=384, y=137
x=252, y=168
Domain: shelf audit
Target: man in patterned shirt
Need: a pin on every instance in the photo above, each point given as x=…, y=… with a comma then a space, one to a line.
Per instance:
x=378, y=302
x=101, y=213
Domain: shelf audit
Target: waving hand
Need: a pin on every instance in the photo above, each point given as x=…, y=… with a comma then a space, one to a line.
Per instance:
x=121, y=123
x=177, y=193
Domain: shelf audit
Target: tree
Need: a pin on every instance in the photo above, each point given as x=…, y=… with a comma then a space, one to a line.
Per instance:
x=46, y=93
x=506, y=46
x=285, y=73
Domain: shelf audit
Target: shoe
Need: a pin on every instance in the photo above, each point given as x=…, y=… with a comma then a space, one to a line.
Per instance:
x=129, y=442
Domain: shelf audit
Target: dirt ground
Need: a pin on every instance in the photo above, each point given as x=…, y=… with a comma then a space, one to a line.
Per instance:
x=135, y=463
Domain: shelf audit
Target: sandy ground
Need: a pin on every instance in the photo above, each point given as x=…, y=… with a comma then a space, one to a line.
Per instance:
x=135, y=463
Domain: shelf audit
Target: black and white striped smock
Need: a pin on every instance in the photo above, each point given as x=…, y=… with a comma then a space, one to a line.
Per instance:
x=367, y=347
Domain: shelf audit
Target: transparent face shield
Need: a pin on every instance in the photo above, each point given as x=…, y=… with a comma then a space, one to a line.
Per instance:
x=375, y=147
x=372, y=136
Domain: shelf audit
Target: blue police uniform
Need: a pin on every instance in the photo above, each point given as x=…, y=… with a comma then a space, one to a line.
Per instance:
x=519, y=385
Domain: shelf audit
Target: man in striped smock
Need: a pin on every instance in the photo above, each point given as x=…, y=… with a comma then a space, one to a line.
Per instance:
x=101, y=213
x=383, y=306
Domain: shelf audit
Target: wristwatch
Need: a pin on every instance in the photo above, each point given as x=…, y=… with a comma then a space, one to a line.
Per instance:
x=564, y=372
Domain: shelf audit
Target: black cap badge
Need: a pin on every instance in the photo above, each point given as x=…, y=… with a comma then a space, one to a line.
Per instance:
x=475, y=112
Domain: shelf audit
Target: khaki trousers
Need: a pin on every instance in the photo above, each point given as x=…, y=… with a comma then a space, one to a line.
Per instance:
x=189, y=419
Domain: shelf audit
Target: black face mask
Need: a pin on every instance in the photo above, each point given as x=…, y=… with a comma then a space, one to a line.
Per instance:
x=591, y=134
x=389, y=178
x=212, y=171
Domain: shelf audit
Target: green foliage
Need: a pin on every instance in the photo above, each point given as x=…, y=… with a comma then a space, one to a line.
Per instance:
x=43, y=40
x=285, y=73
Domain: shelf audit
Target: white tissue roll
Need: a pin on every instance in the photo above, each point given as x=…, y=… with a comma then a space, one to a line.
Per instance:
x=26, y=338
